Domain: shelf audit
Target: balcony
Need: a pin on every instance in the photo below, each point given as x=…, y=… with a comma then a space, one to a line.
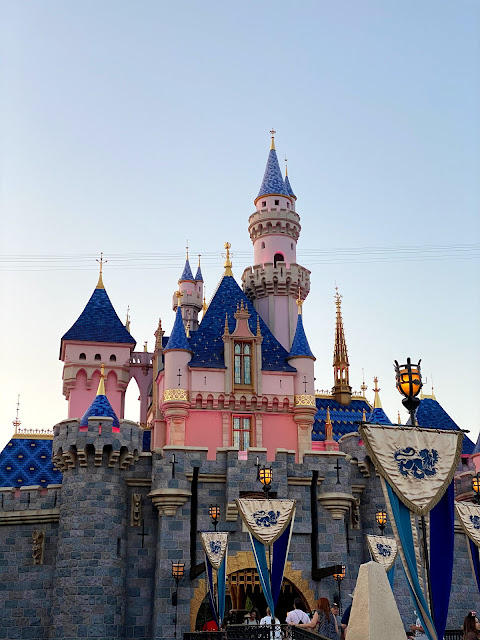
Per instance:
x=256, y=632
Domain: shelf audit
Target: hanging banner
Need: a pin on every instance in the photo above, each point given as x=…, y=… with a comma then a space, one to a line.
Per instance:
x=270, y=525
x=469, y=516
x=215, y=546
x=266, y=519
x=419, y=464
x=383, y=550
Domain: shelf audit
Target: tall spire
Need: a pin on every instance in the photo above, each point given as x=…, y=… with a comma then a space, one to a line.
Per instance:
x=341, y=388
x=17, y=422
x=101, y=382
x=272, y=183
x=272, y=144
x=377, y=403
x=100, y=279
x=198, y=275
x=228, y=263
x=127, y=321
x=288, y=186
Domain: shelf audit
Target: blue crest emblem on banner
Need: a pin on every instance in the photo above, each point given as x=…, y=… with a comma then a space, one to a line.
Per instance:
x=215, y=546
x=384, y=550
x=418, y=465
x=266, y=519
x=475, y=520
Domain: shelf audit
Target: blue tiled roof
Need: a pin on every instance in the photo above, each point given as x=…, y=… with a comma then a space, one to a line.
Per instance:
x=272, y=179
x=27, y=461
x=198, y=275
x=477, y=446
x=187, y=272
x=300, y=346
x=100, y=408
x=99, y=322
x=378, y=416
x=431, y=414
x=288, y=187
x=207, y=344
x=178, y=339
x=344, y=419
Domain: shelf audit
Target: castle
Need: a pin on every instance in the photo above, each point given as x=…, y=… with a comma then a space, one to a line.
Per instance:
x=93, y=516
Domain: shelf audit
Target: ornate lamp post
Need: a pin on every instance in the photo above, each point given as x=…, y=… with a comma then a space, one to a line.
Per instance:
x=214, y=512
x=476, y=488
x=381, y=520
x=265, y=475
x=409, y=383
x=339, y=577
x=178, y=570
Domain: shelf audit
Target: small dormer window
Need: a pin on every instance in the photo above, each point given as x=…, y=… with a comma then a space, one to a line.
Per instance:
x=242, y=363
x=278, y=257
x=82, y=356
x=98, y=356
x=113, y=358
x=264, y=203
x=277, y=202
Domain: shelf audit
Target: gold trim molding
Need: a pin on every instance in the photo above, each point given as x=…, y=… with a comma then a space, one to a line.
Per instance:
x=175, y=394
x=305, y=400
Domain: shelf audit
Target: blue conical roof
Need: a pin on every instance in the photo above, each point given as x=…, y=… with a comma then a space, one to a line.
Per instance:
x=378, y=416
x=300, y=346
x=198, y=275
x=99, y=322
x=100, y=408
x=187, y=272
x=288, y=187
x=272, y=180
x=178, y=338
x=477, y=446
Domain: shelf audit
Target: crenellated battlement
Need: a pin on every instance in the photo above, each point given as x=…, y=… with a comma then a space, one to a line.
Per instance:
x=274, y=220
x=98, y=444
x=263, y=280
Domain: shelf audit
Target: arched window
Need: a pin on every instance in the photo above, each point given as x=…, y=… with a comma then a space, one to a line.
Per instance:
x=243, y=363
x=98, y=356
x=263, y=245
x=82, y=356
x=113, y=358
x=278, y=257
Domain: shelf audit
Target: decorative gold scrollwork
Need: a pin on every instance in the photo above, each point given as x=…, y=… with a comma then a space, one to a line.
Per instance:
x=175, y=394
x=305, y=400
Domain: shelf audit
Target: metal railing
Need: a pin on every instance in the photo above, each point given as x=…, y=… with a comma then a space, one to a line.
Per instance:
x=256, y=632
x=453, y=634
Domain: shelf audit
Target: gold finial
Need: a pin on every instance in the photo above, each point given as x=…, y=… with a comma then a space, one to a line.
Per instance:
x=127, y=321
x=364, y=416
x=226, y=330
x=286, y=168
x=100, y=279
x=158, y=335
x=299, y=300
x=272, y=133
x=228, y=263
x=101, y=384
x=399, y=419
x=259, y=333
x=377, y=404
x=204, y=306
x=199, y=256
x=328, y=427
x=363, y=386
x=338, y=299
x=17, y=422
x=145, y=346
x=187, y=329
x=178, y=295
x=187, y=248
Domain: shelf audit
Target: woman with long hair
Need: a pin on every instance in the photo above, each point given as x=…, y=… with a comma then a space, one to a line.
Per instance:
x=471, y=626
x=323, y=620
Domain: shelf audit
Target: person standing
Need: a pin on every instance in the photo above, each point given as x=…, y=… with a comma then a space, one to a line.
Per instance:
x=253, y=617
x=336, y=614
x=418, y=629
x=323, y=621
x=471, y=626
x=276, y=632
x=297, y=615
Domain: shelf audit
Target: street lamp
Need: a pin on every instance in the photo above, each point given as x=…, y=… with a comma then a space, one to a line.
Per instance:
x=214, y=511
x=339, y=577
x=381, y=520
x=476, y=488
x=178, y=570
x=409, y=383
x=265, y=475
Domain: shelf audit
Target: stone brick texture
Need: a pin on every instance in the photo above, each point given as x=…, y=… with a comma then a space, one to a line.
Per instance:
x=102, y=578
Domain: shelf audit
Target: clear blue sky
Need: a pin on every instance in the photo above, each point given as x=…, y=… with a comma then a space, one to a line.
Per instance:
x=127, y=127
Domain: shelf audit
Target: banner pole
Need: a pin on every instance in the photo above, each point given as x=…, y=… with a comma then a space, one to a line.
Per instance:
x=427, y=565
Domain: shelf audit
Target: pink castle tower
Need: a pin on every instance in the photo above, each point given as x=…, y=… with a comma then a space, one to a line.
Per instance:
x=191, y=298
x=97, y=336
x=274, y=281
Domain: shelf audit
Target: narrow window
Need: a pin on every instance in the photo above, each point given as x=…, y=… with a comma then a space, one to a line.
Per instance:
x=291, y=246
x=242, y=363
x=264, y=203
x=242, y=430
x=82, y=356
x=277, y=202
x=98, y=356
x=263, y=245
x=278, y=257
x=113, y=358
x=288, y=205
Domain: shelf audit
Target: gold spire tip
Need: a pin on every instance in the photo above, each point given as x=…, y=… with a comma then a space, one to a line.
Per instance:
x=228, y=263
x=299, y=300
x=178, y=294
x=101, y=383
x=272, y=133
x=187, y=248
x=100, y=279
x=286, y=167
x=199, y=255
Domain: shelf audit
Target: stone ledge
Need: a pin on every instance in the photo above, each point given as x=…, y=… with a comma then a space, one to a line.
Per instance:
x=139, y=482
x=207, y=477
x=298, y=481
x=336, y=502
x=31, y=516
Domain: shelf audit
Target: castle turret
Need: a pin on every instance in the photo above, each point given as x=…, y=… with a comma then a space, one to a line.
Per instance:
x=94, y=455
x=97, y=336
x=342, y=391
x=191, y=300
x=274, y=281
x=302, y=358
